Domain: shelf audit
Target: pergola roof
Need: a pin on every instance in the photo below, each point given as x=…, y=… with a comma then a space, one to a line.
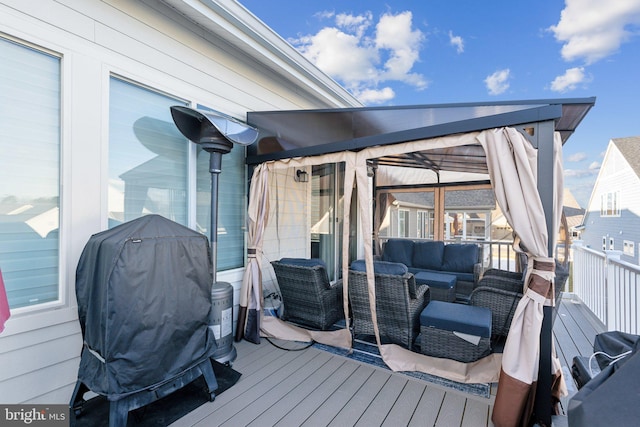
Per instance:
x=300, y=133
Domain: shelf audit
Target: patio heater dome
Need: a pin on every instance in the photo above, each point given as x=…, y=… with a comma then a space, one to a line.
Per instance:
x=216, y=133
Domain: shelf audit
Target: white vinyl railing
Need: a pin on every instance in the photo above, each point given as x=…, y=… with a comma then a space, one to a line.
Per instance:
x=609, y=286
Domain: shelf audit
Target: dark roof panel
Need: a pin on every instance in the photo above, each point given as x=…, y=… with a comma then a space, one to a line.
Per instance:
x=285, y=134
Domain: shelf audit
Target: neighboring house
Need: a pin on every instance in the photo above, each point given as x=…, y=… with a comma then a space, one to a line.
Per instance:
x=573, y=212
x=612, y=220
x=88, y=142
x=467, y=215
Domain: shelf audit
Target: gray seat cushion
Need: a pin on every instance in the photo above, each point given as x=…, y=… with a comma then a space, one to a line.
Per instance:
x=428, y=255
x=460, y=258
x=457, y=317
x=381, y=267
x=437, y=280
x=398, y=250
x=303, y=262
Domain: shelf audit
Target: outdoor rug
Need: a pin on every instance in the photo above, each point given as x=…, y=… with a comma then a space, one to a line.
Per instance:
x=368, y=353
x=162, y=412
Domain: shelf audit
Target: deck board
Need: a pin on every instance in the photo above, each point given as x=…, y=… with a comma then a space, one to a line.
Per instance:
x=338, y=399
x=361, y=400
x=330, y=377
x=377, y=412
x=451, y=410
x=403, y=410
x=428, y=408
x=314, y=388
x=475, y=414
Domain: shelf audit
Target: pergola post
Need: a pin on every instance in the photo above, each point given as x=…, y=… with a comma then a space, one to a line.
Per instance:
x=544, y=135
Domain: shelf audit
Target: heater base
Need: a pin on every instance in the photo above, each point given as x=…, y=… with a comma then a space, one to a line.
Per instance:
x=227, y=358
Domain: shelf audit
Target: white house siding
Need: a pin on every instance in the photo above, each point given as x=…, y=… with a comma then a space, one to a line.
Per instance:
x=286, y=236
x=615, y=175
x=150, y=44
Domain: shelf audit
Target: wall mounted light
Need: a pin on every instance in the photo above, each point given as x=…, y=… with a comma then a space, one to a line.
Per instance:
x=301, y=176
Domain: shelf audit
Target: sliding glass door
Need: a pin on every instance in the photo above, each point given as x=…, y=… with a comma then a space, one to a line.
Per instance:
x=327, y=204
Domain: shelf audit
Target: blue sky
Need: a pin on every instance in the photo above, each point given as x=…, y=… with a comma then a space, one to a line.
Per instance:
x=439, y=51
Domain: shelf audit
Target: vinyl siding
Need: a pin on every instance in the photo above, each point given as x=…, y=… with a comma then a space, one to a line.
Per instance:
x=616, y=175
x=150, y=44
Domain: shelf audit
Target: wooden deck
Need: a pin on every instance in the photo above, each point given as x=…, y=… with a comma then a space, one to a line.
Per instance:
x=314, y=388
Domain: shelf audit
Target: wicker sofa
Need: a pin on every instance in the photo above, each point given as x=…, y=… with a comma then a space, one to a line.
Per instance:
x=399, y=302
x=458, y=259
x=307, y=295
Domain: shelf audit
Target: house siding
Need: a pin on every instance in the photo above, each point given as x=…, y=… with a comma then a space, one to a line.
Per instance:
x=151, y=44
x=616, y=175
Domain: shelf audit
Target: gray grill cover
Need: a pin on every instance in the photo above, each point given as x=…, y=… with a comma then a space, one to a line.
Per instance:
x=144, y=297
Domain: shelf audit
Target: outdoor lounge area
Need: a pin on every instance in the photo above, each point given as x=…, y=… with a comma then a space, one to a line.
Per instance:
x=518, y=162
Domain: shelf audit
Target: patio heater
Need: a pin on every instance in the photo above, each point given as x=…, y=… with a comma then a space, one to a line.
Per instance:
x=216, y=134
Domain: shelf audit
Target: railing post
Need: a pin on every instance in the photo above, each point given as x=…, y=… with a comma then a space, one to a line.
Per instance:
x=577, y=259
x=610, y=288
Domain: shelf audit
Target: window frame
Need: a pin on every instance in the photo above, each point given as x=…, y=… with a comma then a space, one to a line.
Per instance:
x=403, y=222
x=51, y=309
x=191, y=163
x=610, y=204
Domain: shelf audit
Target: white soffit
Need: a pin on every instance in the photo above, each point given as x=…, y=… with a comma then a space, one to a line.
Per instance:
x=235, y=24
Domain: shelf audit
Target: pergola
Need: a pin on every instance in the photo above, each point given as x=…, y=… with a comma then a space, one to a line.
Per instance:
x=442, y=145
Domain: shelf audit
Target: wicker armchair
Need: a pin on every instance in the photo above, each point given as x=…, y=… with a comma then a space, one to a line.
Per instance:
x=399, y=302
x=562, y=274
x=307, y=295
x=500, y=291
x=501, y=296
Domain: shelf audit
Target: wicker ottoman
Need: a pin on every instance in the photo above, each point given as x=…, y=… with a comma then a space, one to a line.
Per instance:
x=438, y=322
x=442, y=286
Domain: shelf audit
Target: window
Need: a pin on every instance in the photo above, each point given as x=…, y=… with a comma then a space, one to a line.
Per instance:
x=403, y=223
x=425, y=225
x=629, y=248
x=611, y=244
x=466, y=225
x=30, y=98
x=610, y=204
x=326, y=216
x=149, y=172
x=604, y=243
x=147, y=156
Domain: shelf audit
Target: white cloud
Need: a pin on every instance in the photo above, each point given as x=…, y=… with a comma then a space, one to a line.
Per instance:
x=340, y=55
x=325, y=14
x=357, y=24
x=577, y=157
x=497, y=82
x=569, y=80
x=394, y=34
x=457, y=42
x=375, y=96
x=363, y=57
x=592, y=170
x=594, y=29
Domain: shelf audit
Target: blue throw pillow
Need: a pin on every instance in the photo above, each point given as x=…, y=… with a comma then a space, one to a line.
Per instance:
x=303, y=262
x=428, y=255
x=398, y=250
x=460, y=257
x=381, y=267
